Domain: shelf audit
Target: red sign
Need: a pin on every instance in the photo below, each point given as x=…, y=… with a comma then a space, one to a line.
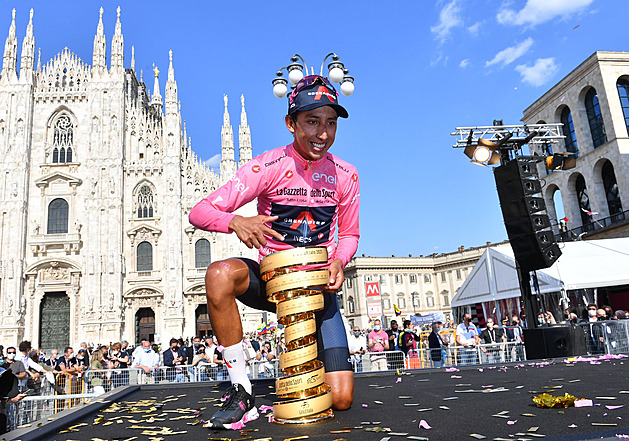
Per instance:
x=372, y=289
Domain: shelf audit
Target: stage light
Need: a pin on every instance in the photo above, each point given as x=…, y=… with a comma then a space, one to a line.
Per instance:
x=483, y=153
x=560, y=161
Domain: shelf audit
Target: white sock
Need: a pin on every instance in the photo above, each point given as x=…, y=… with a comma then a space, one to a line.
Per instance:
x=234, y=357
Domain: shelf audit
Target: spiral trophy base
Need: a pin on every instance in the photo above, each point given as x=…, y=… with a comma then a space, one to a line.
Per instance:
x=306, y=397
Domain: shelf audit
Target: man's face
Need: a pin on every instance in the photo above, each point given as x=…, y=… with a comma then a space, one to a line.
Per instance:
x=356, y=330
x=173, y=346
x=54, y=353
x=11, y=351
x=146, y=344
x=467, y=317
x=314, y=132
x=377, y=323
x=394, y=326
x=515, y=319
x=490, y=323
x=69, y=353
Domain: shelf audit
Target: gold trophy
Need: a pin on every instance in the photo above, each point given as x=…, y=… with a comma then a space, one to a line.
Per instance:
x=296, y=291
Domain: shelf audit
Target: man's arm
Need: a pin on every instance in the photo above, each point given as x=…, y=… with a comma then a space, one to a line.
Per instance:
x=348, y=225
x=385, y=343
x=215, y=212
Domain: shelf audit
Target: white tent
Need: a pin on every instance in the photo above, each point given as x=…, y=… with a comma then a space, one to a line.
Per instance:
x=583, y=264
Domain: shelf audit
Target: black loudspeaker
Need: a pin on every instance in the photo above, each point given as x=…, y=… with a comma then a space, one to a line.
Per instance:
x=524, y=213
x=554, y=342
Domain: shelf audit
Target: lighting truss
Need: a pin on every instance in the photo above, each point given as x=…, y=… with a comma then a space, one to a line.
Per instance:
x=517, y=135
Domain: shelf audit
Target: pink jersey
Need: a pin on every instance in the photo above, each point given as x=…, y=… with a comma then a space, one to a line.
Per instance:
x=315, y=201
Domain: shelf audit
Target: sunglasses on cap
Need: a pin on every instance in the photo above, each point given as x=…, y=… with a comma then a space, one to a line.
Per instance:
x=309, y=81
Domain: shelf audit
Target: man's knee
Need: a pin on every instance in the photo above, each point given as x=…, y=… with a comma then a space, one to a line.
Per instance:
x=343, y=400
x=222, y=279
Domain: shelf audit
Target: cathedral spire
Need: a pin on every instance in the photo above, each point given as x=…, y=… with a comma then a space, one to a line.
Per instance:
x=9, y=61
x=228, y=162
x=39, y=60
x=133, y=58
x=117, y=47
x=100, y=48
x=28, y=51
x=244, y=136
x=156, y=99
x=171, y=87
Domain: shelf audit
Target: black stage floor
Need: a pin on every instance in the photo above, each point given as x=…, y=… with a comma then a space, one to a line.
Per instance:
x=455, y=405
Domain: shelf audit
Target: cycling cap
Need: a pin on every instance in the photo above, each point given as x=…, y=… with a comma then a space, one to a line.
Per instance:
x=312, y=92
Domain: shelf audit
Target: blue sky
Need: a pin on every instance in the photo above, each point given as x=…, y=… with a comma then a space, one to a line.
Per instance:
x=421, y=68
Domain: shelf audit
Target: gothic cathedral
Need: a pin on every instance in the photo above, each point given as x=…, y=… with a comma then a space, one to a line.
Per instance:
x=98, y=179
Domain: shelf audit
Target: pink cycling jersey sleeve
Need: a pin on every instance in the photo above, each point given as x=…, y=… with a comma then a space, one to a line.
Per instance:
x=315, y=202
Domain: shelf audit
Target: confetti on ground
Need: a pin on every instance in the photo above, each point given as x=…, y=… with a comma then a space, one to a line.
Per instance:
x=512, y=422
x=450, y=398
x=614, y=407
x=477, y=436
x=583, y=403
x=424, y=425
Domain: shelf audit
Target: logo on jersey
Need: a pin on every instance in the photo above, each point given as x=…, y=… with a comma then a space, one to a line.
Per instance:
x=255, y=168
x=289, y=174
x=354, y=177
x=303, y=225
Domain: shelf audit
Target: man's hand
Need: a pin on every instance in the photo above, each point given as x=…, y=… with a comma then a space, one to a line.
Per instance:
x=336, y=275
x=251, y=230
x=146, y=369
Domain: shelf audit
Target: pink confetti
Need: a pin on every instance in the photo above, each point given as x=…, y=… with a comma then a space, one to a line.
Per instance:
x=452, y=370
x=511, y=423
x=364, y=405
x=614, y=407
x=455, y=376
x=271, y=418
x=399, y=380
x=622, y=436
x=264, y=408
x=583, y=403
x=237, y=426
x=481, y=370
x=489, y=385
x=424, y=425
x=572, y=426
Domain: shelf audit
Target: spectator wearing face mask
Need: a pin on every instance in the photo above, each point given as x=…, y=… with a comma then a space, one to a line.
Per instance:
x=378, y=342
x=492, y=337
x=148, y=361
x=357, y=344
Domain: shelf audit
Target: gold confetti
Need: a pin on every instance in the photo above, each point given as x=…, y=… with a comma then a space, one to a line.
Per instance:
x=340, y=431
x=604, y=424
x=296, y=438
x=550, y=401
x=528, y=414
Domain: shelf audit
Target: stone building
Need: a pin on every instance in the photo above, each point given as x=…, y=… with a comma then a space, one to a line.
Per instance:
x=416, y=285
x=592, y=103
x=98, y=179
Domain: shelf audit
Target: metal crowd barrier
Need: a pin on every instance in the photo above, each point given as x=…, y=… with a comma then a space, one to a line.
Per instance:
x=607, y=337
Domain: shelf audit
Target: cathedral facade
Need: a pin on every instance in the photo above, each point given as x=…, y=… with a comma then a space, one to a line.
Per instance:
x=98, y=179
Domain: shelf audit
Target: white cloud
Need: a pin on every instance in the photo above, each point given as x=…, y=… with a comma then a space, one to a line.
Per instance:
x=540, y=11
x=539, y=73
x=512, y=53
x=464, y=63
x=449, y=18
x=214, y=161
x=475, y=28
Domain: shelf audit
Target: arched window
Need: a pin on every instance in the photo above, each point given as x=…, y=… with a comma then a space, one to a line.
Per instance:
x=350, y=304
x=145, y=257
x=584, y=200
x=62, y=140
x=611, y=189
x=593, y=110
x=416, y=301
x=401, y=302
x=568, y=131
x=202, y=253
x=623, y=94
x=58, y=216
x=145, y=201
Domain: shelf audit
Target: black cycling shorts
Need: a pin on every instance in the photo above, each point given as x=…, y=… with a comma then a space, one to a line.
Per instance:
x=331, y=336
